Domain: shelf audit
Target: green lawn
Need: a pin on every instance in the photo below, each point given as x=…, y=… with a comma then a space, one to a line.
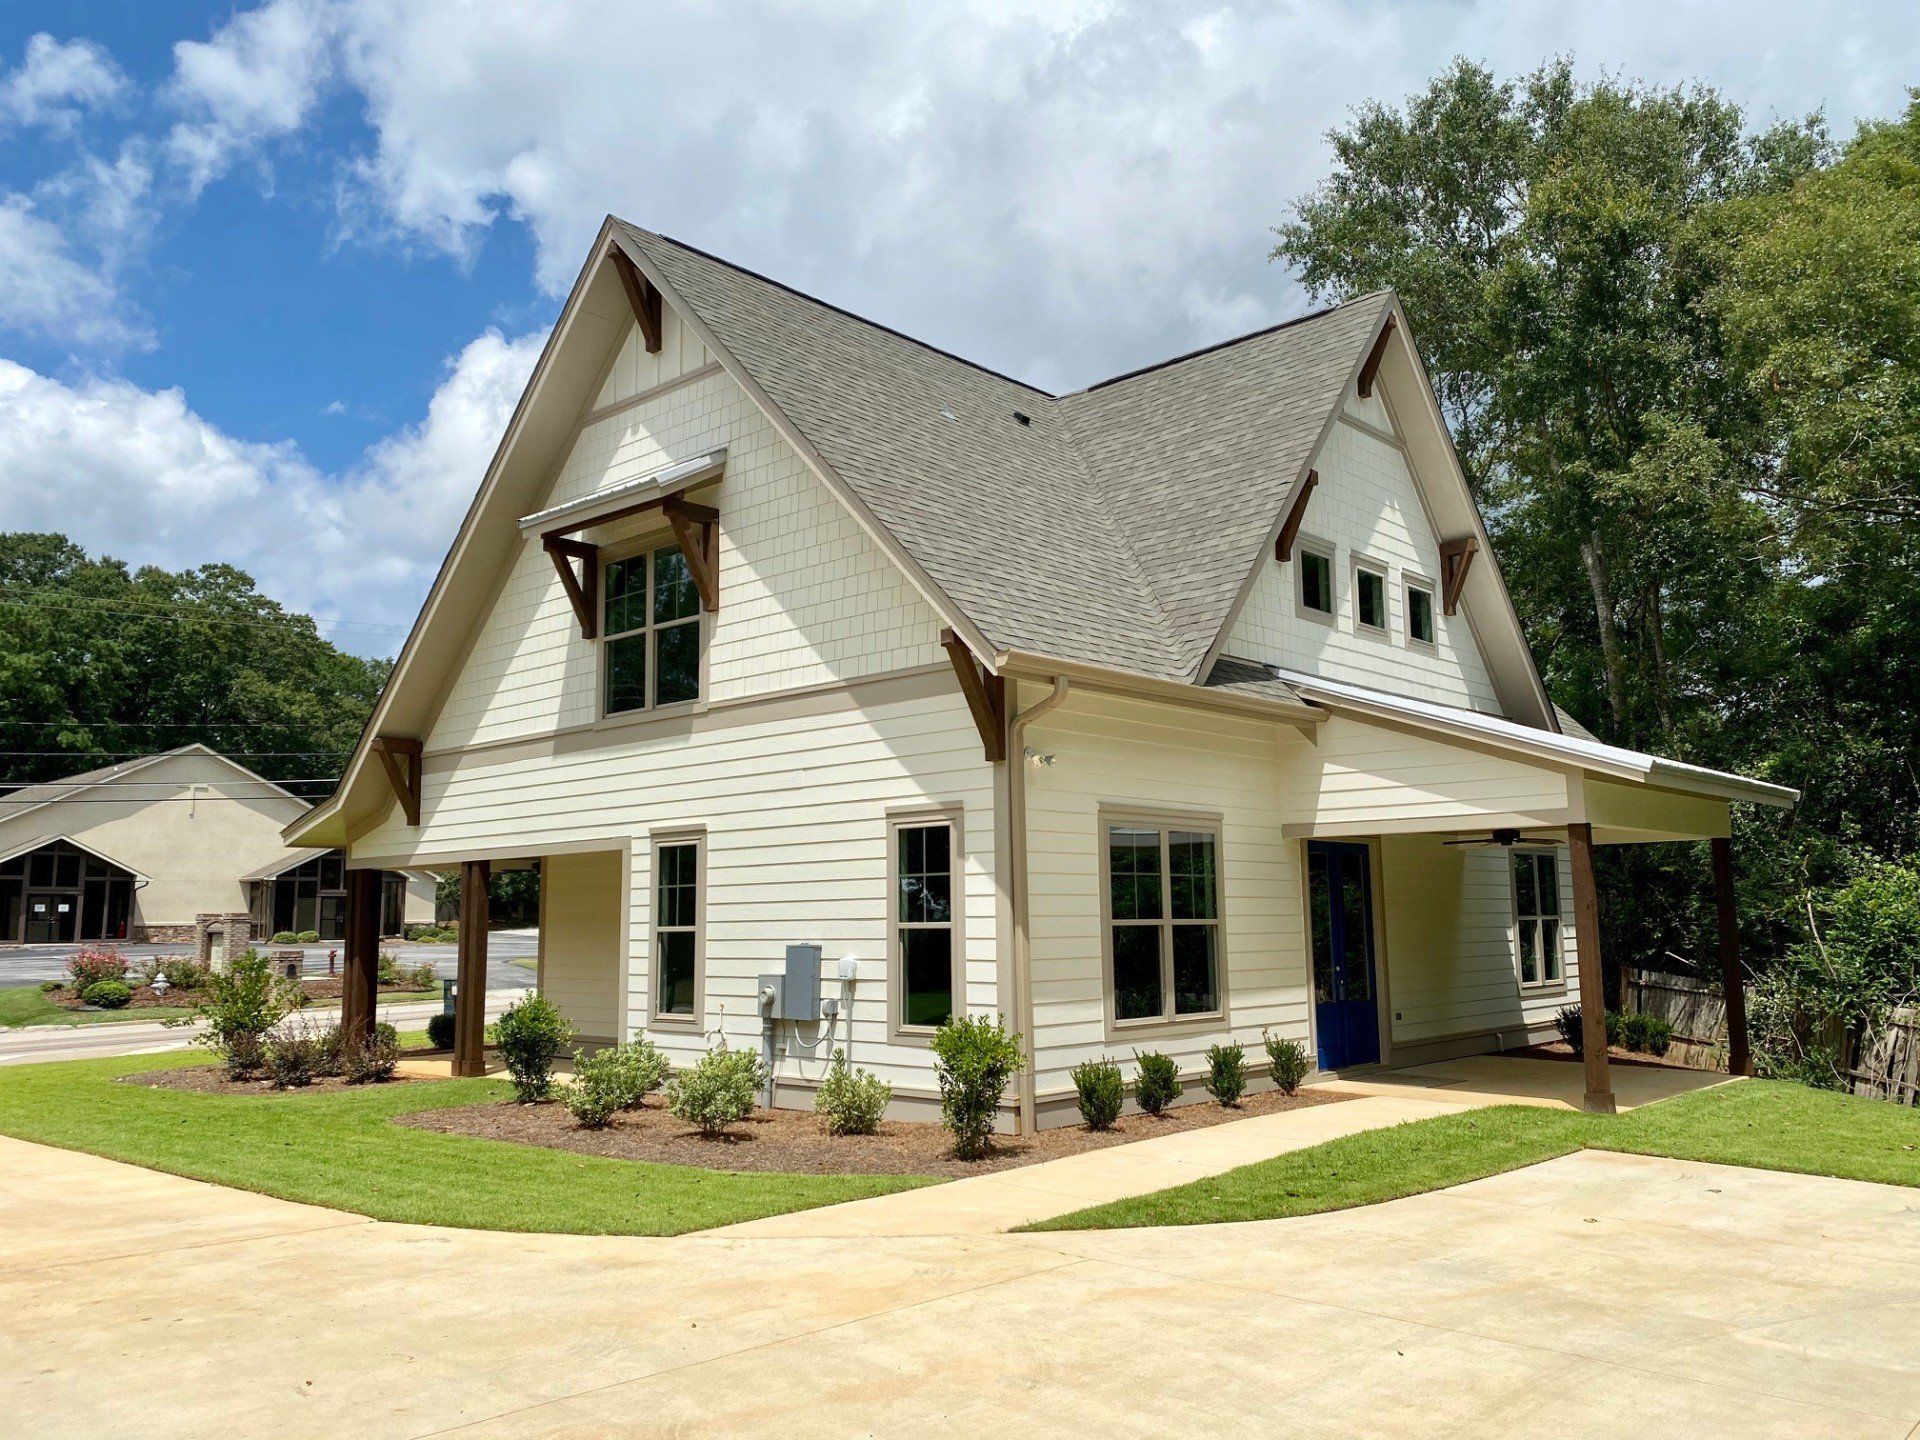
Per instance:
x=28, y=1005
x=1768, y=1125
x=339, y=1149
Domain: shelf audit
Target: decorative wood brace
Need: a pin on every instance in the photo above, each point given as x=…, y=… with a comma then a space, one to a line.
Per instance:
x=641, y=295
x=697, y=528
x=1371, y=369
x=400, y=758
x=582, y=589
x=1289, y=532
x=1456, y=558
x=986, y=696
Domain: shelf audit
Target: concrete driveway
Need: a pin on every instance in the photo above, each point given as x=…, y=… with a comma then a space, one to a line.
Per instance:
x=1596, y=1295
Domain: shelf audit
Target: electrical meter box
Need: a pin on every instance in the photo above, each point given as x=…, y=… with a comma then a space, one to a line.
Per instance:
x=796, y=992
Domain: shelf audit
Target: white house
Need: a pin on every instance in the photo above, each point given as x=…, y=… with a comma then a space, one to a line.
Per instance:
x=1182, y=708
x=137, y=851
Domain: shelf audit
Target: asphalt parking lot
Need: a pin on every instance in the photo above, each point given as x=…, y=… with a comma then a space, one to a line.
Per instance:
x=30, y=964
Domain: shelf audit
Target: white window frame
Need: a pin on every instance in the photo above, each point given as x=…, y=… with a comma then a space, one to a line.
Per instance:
x=1167, y=1021
x=667, y=840
x=1303, y=546
x=1558, y=951
x=1364, y=564
x=1409, y=582
x=956, y=923
x=614, y=555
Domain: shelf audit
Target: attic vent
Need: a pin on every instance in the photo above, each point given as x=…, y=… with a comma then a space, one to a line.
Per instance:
x=1023, y=419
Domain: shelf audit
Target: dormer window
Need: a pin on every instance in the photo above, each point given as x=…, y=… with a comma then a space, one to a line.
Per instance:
x=651, y=625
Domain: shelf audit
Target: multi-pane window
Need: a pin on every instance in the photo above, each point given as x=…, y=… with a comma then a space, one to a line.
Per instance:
x=676, y=928
x=923, y=907
x=1163, y=896
x=1316, y=581
x=1420, y=614
x=1536, y=913
x=651, y=625
x=1370, y=597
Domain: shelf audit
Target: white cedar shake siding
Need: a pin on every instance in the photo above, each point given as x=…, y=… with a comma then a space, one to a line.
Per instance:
x=1365, y=507
x=582, y=904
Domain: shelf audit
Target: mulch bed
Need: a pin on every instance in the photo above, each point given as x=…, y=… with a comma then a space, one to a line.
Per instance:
x=793, y=1141
x=212, y=1080
x=327, y=987
x=1616, y=1055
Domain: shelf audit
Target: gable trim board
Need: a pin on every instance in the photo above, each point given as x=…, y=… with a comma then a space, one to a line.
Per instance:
x=43, y=841
x=91, y=784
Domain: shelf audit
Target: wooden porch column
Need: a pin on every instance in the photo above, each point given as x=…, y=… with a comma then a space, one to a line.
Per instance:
x=1739, y=1052
x=1593, y=990
x=360, y=982
x=470, y=1004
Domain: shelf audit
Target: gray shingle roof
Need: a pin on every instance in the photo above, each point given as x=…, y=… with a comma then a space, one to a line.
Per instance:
x=1114, y=527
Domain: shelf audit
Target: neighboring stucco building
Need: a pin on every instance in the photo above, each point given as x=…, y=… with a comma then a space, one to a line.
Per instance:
x=1180, y=709
x=137, y=851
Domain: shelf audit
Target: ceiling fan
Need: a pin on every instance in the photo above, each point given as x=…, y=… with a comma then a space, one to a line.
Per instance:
x=1504, y=838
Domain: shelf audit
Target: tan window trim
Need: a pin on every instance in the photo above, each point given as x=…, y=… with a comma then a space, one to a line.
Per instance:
x=1367, y=564
x=1164, y=821
x=659, y=840
x=1303, y=546
x=1542, y=986
x=898, y=820
x=1409, y=582
x=645, y=544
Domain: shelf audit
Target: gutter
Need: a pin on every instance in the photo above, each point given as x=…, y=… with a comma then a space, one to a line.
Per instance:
x=1029, y=1119
x=1025, y=665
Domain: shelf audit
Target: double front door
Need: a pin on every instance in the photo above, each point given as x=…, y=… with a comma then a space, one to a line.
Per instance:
x=1340, y=906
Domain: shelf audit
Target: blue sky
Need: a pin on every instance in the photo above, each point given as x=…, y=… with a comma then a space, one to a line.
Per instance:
x=271, y=276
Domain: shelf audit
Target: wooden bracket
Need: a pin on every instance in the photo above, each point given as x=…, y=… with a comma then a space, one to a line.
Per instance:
x=1371, y=369
x=403, y=777
x=697, y=529
x=641, y=295
x=582, y=589
x=1289, y=532
x=986, y=695
x=1456, y=558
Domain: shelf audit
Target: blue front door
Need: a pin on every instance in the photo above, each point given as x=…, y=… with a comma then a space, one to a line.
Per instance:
x=1340, y=903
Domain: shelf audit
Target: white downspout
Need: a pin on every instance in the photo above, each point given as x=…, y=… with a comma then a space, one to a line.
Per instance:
x=1029, y=1120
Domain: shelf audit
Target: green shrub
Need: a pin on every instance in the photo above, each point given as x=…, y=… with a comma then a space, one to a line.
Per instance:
x=284, y=937
x=1158, y=1084
x=440, y=1031
x=371, y=1061
x=48, y=986
x=1101, y=1092
x=1617, y=1025
x=87, y=968
x=1287, y=1062
x=238, y=1007
x=108, y=994
x=308, y=937
x=431, y=934
x=533, y=1034
x=1659, y=1035
x=1648, y=1034
x=974, y=1057
x=329, y=1052
x=717, y=1091
x=1227, y=1073
x=851, y=1101
x=183, y=972
x=617, y=1078
x=1818, y=1067
x=290, y=1054
x=1570, y=1026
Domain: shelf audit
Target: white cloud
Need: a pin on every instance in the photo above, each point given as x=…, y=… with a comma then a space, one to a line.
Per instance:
x=255, y=80
x=157, y=483
x=58, y=81
x=47, y=291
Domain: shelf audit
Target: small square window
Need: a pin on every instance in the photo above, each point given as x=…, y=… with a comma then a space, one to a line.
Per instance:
x=1316, y=582
x=1420, y=614
x=1370, y=598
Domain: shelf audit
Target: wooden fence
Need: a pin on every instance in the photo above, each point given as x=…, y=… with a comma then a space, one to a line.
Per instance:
x=1884, y=1064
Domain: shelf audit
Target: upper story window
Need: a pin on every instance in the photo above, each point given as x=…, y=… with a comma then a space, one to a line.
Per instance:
x=1419, y=612
x=1370, y=596
x=1316, y=579
x=1163, y=921
x=652, y=631
x=1536, y=914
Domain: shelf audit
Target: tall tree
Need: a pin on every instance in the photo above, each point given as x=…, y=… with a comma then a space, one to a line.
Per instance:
x=100, y=662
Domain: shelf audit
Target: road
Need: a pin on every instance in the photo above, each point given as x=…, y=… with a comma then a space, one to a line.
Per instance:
x=32, y=1043
x=30, y=964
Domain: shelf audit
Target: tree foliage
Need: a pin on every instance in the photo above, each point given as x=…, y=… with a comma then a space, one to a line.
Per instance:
x=99, y=661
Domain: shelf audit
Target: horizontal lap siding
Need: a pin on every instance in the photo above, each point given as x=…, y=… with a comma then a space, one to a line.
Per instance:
x=1123, y=755
x=795, y=811
x=1365, y=504
x=1449, y=948
x=580, y=950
